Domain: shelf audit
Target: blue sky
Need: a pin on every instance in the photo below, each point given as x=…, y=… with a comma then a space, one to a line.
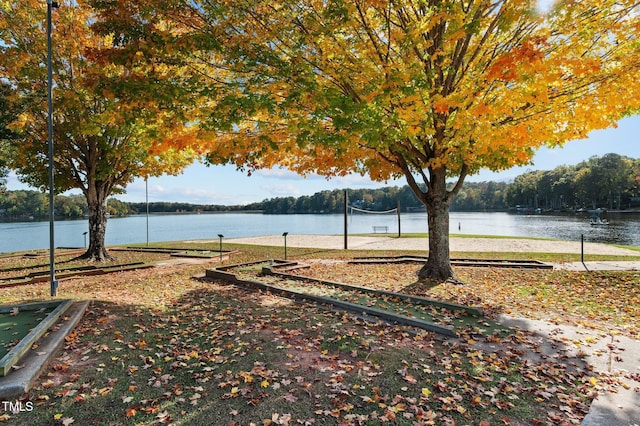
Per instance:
x=224, y=185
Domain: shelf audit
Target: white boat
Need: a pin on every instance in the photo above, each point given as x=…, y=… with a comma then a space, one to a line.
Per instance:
x=596, y=221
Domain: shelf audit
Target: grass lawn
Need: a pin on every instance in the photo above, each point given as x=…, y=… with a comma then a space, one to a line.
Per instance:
x=158, y=347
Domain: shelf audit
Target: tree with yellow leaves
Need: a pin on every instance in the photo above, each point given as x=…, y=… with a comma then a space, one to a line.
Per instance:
x=432, y=90
x=106, y=131
x=6, y=117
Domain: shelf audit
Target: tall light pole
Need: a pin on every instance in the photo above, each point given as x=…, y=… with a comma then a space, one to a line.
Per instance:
x=346, y=209
x=146, y=196
x=52, y=260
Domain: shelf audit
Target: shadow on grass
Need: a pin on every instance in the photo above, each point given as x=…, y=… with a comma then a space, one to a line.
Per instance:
x=225, y=354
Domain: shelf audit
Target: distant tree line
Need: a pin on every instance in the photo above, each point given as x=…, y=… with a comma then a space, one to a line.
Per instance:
x=23, y=205
x=475, y=196
x=333, y=201
x=611, y=181
x=174, y=207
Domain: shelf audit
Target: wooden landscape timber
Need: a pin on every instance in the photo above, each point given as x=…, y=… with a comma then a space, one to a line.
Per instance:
x=386, y=315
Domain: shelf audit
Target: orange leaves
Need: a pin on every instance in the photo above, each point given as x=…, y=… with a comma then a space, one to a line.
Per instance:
x=101, y=104
x=440, y=107
x=517, y=62
x=71, y=337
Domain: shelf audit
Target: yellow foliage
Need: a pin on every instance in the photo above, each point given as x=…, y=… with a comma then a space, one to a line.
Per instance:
x=102, y=131
x=396, y=87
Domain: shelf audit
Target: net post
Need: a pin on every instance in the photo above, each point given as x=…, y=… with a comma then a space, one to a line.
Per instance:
x=398, y=210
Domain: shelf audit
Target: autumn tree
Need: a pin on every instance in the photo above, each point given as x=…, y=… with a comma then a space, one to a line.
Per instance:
x=106, y=132
x=430, y=90
x=6, y=117
x=4, y=171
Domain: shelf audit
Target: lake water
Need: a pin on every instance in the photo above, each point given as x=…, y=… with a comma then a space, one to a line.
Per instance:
x=15, y=236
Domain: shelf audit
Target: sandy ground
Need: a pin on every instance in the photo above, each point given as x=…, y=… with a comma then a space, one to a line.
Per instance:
x=456, y=244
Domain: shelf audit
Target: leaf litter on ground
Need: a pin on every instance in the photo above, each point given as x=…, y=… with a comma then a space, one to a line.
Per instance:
x=158, y=347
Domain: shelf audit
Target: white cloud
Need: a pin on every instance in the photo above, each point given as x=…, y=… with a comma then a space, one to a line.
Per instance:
x=351, y=180
x=278, y=174
x=13, y=183
x=157, y=189
x=280, y=190
x=198, y=196
x=355, y=180
x=169, y=193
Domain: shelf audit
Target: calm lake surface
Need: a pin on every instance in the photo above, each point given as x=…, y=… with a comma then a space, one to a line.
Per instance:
x=15, y=236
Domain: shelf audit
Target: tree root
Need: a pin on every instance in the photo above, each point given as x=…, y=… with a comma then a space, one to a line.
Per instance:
x=102, y=257
x=455, y=281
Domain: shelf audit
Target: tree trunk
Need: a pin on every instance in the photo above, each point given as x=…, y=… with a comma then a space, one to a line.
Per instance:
x=97, y=228
x=437, y=199
x=438, y=265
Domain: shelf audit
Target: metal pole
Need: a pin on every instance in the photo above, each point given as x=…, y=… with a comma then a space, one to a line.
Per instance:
x=398, y=210
x=582, y=252
x=146, y=194
x=221, y=237
x=346, y=206
x=52, y=260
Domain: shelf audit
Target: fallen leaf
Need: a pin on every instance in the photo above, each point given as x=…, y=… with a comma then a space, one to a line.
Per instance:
x=409, y=378
x=290, y=398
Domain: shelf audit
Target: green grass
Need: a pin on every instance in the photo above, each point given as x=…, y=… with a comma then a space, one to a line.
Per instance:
x=627, y=247
x=14, y=328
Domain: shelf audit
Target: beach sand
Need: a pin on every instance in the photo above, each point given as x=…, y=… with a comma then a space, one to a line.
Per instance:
x=457, y=244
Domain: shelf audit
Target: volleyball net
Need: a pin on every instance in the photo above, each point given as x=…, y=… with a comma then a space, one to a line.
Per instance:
x=388, y=221
x=356, y=209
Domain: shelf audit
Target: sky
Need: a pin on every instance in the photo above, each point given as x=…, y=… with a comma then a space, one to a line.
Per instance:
x=224, y=185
